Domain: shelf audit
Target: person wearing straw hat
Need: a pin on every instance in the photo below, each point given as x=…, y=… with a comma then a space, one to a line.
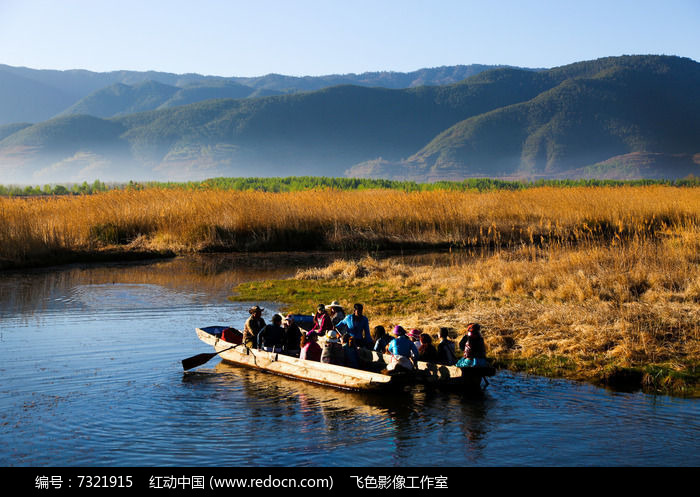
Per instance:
x=336, y=312
x=253, y=326
x=332, y=349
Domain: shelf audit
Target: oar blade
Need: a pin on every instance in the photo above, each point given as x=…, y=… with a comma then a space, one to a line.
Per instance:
x=197, y=360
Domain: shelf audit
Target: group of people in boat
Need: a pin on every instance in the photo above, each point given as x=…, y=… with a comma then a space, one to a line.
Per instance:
x=346, y=334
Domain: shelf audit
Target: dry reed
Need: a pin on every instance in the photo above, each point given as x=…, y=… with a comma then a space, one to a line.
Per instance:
x=190, y=221
x=629, y=306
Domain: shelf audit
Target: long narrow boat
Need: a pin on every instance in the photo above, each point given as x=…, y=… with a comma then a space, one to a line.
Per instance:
x=292, y=367
x=375, y=378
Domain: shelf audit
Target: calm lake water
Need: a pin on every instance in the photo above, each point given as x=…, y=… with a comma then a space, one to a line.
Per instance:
x=91, y=376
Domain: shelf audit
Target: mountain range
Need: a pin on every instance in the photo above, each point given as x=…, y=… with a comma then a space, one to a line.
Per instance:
x=31, y=95
x=617, y=117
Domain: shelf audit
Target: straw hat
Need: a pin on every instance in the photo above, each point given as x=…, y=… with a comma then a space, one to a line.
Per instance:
x=335, y=303
x=332, y=336
x=255, y=308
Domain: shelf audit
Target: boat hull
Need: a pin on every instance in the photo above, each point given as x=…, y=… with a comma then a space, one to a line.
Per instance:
x=377, y=378
x=292, y=367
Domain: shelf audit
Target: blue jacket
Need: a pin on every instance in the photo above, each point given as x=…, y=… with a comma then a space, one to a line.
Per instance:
x=358, y=328
x=403, y=346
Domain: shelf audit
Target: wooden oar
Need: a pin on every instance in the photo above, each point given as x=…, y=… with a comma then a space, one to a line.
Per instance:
x=199, y=359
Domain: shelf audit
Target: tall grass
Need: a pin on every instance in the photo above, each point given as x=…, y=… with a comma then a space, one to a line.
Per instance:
x=187, y=221
x=597, y=313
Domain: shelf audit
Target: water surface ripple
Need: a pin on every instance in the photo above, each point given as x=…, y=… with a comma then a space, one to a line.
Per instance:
x=90, y=361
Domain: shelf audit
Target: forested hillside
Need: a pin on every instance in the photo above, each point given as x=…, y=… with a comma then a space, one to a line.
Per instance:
x=590, y=119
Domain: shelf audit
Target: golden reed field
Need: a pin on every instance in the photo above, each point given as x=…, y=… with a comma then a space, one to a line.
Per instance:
x=32, y=229
x=596, y=283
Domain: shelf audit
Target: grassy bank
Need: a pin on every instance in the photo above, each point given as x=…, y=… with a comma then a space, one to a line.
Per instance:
x=184, y=221
x=626, y=316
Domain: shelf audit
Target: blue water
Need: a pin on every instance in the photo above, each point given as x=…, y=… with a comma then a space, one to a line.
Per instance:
x=91, y=376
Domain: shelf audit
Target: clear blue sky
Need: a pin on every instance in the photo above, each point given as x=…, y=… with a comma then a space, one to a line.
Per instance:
x=314, y=37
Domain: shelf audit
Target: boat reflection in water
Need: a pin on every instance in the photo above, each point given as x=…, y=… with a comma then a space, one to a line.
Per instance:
x=358, y=428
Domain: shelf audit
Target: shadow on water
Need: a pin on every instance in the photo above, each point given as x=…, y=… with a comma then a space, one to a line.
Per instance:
x=401, y=417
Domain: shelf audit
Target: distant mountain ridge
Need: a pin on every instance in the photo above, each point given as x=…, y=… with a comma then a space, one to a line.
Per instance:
x=33, y=95
x=617, y=117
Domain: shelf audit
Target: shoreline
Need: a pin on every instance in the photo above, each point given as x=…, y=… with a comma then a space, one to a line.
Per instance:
x=300, y=295
x=67, y=257
x=513, y=342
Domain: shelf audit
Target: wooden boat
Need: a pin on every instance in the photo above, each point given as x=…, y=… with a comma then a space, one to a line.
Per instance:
x=375, y=377
x=292, y=367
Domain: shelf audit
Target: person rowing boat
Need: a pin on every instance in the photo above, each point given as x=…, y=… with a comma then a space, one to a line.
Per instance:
x=253, y=326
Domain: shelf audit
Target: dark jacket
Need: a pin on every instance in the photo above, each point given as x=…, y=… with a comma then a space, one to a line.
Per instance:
x=427, y=353
x=292, y=337
x=473, y=346
x=446, y=353
x=271, y=336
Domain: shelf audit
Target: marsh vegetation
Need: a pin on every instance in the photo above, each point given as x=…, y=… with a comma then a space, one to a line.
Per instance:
x=585, y=282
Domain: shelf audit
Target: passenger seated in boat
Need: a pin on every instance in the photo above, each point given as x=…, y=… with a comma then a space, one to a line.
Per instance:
x=322, y=321
x=414, y=336
x=271, y=337
x=404, y=353
x=310, y=349
x=292, y=337
x=253, y=326
x=358, y=326
x=427, y=351
x=474, y=348
x=381, y=339
x=351, y=357
x=336, y=312
x=446, y=349
x=333, y=350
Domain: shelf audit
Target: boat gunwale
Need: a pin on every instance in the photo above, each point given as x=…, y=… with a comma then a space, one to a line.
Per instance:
x=364, y=380
x=428, y=372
